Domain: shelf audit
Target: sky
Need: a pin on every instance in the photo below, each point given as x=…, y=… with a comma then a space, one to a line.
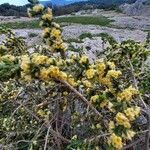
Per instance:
x=14, y=2
x=17, y=2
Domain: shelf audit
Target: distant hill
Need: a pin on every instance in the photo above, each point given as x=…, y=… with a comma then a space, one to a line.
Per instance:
x=139, y=8
x=59, y=2
x=91, y=2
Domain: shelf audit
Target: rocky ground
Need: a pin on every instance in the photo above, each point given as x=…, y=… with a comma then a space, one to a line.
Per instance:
x=124, y=27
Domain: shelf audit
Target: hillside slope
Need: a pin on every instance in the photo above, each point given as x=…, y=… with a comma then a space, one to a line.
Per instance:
x=140, y=7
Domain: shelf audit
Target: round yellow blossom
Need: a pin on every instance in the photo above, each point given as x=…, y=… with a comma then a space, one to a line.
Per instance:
x=54, y=71
x=39, y=59
x=116, y=141
x=130, y=134
x=71, y=81
x=25, y=63
x=111, y=126
x=127, y=94
x=132, y=113
x=104, y=103
x=90, y=73
x=87, y=83
x=55, y=32
x=105, y=81
x=100, y=67
x=8, y=57
x=62, y=75
x=47, y=17
x=84, y=59
x=111, y=65
x=38, y=8
x=121, y=119
x=113, y=73
x=94, y=98
x=56, y=25
x=27, y=77
x=46, y=32
x=44, y=74
x=98, y=126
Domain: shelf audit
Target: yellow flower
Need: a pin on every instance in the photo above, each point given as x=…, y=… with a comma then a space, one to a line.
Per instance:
x=105, y=81
x=111, y=126
x=25, y=63
x=114, y=73
x=27, y=78
x=100, y=67
x=39, y=59
x=127, y=94
x=132, y=113
x=54, y=71
x=130, y=134
x=87, y=83
x=56, y=25
x=47, y=17
x=46, y=32
x=90, y=73
x=98, y=126
x=63, y=46
x=94, y=98
x=55, y=32
x=8, y=57
x=38, y=8
x=116, y=141
x=104, y=103
x=71, y=81
x=121, y=119
x=111, y=65
x=84, y=59
x=44, y=74
x=62, y=75
x=41, y=113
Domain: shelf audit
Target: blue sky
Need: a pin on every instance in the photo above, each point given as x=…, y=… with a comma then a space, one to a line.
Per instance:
x=15, y=2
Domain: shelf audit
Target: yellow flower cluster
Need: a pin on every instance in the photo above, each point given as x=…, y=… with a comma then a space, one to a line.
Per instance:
x=40, y=59
x=94, y=98
x=87, y=83
x=130, y=134
x=114, y=74
x=54, y=72
x=111, y=126
x=55, y=33
x=90, y=73
x=38, y=8
x=35, y=10
x=47, y=17
x=121, y=119
x=111, y=65
x=132, y=113
x=84, y=59
x=25, y=63
x=116, y=141
x=127, y=94
x=3, y=48
x=8, y=57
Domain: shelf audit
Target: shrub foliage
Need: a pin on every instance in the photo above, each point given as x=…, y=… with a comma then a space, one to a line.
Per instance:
x=51, y=99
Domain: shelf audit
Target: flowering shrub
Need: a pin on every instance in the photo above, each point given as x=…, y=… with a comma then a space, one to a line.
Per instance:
x=51, y=100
